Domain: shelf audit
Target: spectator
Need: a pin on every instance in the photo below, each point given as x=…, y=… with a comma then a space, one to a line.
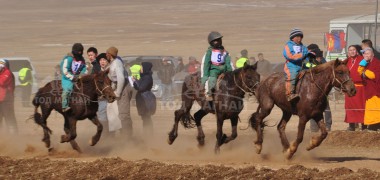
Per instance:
x=122, y=90
x=7, y=86
x=92, y=53
x=252, y=60
x=26, y=83
x=368, y=43
x=243, y=60
x=145, y=99
x=319, y=59
x=180, y=66
x=193, y=66
x=165, y=74
x=264, y=67
x=354, y=105
x=102, y=109
x=369, y=69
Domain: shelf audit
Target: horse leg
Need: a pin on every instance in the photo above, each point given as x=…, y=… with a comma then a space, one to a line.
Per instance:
x=99, y=129
x=220, y=137
x=178, y=114
x=317, y=140
x=281, y=129
x=72, y=131
x=198, y=118
x=43, y=123
x=73, y=143
x=293, y=147
x=234, y=122
x=257, y=123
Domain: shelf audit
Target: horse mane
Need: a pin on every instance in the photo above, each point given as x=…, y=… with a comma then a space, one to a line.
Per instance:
x=322, y=67
x=88, y=77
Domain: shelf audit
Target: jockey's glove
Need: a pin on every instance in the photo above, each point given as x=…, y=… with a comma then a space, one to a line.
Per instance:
x=363, y=63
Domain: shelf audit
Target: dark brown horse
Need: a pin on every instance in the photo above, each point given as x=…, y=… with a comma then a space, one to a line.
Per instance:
x=313, y=89
x=228, y=102
x=83, y=103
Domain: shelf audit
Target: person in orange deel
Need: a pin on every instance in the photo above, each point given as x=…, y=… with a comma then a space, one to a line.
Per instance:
x=369, y=69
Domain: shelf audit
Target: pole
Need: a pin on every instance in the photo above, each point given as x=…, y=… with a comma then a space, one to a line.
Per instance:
x=377, y=8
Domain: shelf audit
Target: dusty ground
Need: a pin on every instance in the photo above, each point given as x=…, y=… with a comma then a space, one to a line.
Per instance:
x=45, y=30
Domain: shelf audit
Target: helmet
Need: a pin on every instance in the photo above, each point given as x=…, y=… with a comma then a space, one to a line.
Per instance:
x=214, y=35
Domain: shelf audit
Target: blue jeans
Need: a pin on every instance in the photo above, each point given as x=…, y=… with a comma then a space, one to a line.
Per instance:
x=167, y=92
x=327, y=117
x=67, y=88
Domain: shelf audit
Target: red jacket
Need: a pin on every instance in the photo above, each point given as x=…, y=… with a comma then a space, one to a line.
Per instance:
x=6, y=84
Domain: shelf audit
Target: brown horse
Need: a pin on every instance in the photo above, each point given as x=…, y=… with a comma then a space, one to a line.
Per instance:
x=83, y=103
x=313, y=89
x=228, y=102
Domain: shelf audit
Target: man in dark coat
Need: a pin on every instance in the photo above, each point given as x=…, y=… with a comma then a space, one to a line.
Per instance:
x=165, y=74
x=145, y=99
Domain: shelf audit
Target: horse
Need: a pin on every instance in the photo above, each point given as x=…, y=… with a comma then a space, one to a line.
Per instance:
x=227, y=104
x=313, y=88
x=83, y=103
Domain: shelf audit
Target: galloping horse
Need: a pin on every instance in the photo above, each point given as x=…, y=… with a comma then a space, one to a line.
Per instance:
x=83, y=103
x=313, y=89
x=228, y=102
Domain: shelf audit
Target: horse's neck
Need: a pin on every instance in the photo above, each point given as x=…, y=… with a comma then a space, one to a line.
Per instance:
x=323, y=80
x=88, y=89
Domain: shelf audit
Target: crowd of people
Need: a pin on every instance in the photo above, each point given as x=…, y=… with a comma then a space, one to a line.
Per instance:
x=361, y=109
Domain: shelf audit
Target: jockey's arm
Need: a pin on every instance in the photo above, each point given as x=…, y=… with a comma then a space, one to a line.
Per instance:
x=66, y=69
x=229, y=66
x=206, y=64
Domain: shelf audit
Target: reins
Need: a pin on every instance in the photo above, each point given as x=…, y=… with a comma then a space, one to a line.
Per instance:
x=332, y=82
x=251, y=90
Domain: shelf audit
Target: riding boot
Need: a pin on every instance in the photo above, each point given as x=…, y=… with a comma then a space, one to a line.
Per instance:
x=292, y=96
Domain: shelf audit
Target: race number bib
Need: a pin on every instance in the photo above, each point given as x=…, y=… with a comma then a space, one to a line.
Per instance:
x=218, y=56
x=75, y=66
x=297, y=49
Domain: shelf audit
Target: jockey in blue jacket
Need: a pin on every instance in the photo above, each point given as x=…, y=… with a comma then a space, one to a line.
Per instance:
x=295, y=53
x=72, y=65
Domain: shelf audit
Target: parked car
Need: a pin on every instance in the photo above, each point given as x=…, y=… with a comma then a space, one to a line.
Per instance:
x=157, y=64
x=16, y=64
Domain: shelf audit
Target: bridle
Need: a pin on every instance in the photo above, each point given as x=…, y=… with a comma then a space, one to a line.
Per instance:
x=101, y=91
x=341, y=89
x=251, y=90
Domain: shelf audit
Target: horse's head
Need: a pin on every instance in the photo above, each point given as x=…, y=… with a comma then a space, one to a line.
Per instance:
x=342, y=78
x=103, y=86
x=250, y=78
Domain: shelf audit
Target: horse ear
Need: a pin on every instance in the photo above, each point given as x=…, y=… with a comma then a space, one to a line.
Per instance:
x=254, y=66
x=337, y=62
x=345, y=61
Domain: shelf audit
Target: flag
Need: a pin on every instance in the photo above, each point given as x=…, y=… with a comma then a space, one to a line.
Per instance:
x=336, y=41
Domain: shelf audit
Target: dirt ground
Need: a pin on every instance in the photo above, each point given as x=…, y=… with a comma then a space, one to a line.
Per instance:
x=44, y=30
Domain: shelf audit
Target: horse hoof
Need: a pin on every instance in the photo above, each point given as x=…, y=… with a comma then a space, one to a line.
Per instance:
x=64, y=139
x=50, y=149
x=91, y=142
x=288, y=154
x=201, y=141
x=258, y=148
x=169, y=141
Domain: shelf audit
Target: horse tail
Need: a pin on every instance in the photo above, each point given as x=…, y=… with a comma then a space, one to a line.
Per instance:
x=37, y=116
x=252, y=119
x=187, y=121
